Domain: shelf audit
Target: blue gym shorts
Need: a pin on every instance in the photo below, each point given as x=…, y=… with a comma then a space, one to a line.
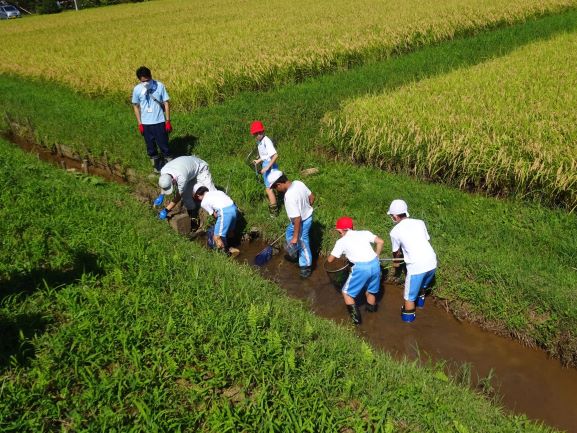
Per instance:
x=265, y=164
x=414, y=284
x=225, y=221
x=363, y=274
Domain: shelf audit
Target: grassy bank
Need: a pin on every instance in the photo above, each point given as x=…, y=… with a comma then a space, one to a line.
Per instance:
x=516, y=137
x=112, y=322
x=486, y=273
x=206, y=52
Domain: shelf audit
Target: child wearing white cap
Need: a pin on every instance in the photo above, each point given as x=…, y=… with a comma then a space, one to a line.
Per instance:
x=410, y=238
x=182, y=174
x=298, y=202
x=221, y=206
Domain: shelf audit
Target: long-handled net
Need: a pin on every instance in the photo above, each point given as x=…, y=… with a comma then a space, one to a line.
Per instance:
x=338, y=272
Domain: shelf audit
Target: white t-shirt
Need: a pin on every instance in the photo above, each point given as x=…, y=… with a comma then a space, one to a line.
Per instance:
x=266, y=149
x=184, y=169
x=356, y=246
x=215, y=200
x=296, y=201
x=412, y=237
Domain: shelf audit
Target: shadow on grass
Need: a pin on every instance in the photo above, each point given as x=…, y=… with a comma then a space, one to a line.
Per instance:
x=182, y=146
x=27, y=283
x=16, y=347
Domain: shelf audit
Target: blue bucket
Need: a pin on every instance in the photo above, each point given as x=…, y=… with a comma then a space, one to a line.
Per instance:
x=421, y=301
x=407, y=316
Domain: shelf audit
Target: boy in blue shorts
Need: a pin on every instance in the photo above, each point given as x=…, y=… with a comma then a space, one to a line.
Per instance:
x=366, y=271
x=268, y=155
x=221, y=206
x=410, y=239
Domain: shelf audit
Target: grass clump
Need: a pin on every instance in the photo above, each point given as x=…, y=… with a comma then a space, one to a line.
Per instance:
x=111, y=322
x=207, y=52
x=516, y=137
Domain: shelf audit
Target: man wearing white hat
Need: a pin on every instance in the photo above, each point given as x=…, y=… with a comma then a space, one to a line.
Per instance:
x=181, y=174
x=298, y=202
x=221, y=206
x=410, y=239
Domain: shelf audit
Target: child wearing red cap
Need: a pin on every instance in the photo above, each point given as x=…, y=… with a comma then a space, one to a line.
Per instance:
x=268, y=157
x=356, y=245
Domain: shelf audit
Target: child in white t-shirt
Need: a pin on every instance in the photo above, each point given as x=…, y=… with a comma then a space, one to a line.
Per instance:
x=221, y=206
x=267, y=155
x=410, y=239
x=298, y=202
x=366, y=271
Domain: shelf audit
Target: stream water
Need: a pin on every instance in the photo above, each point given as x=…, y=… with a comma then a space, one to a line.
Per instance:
x=526, y=380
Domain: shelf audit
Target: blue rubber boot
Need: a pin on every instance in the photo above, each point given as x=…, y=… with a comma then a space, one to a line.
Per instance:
x=407, y=315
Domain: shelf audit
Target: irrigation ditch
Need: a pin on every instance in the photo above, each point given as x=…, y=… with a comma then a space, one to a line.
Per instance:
x=521, y=378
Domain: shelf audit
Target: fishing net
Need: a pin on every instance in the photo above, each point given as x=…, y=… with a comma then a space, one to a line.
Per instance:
x=338, y=272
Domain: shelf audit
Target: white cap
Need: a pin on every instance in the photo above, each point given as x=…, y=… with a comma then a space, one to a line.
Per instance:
x=165, y=183
x=273, y=176
x=196, y=187
x=398, y=207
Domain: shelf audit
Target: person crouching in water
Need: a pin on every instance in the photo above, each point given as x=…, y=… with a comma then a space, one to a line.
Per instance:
x=221, y=206
x=410, y=240
x=356, y=245
x=298, y=202
x=267, y=155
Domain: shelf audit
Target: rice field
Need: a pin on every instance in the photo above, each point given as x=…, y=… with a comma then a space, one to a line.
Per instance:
x=506, y=126
x=207, y=51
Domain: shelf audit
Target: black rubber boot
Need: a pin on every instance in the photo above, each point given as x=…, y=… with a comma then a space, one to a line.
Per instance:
x=306, y=271
x=372, y=308
x=355, y=314
x=156, y=164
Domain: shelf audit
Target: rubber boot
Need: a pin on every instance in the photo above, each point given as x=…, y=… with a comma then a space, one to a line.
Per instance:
x=355, y=314
x=306, y=271
x=273, y=210
x=156, y=164
x=372, y=308
x=407, y=315
x=421, y=301
x=168, y=158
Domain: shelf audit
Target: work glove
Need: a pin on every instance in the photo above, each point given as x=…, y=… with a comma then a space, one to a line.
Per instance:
x=141, y=128
x=163, y=214
x=167, y=126
x=158, y=201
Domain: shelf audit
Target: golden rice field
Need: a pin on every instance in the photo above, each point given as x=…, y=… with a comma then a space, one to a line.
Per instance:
x=508, y=125
x=206, y=51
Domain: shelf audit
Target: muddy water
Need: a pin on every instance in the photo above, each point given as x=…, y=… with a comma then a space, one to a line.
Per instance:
x=65, y=158
x=526, y=379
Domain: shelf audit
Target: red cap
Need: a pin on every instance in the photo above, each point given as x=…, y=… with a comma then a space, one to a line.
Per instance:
x=344, y=223
x=256, y=127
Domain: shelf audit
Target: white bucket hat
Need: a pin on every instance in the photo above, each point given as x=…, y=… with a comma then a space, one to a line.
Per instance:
x=398, y=207
x=165, y=183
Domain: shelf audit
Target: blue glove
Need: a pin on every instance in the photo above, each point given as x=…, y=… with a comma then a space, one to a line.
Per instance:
x=163, y=214
x=158, y=201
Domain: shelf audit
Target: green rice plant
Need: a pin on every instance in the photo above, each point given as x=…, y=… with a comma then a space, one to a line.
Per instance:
x=142, y=330
x=506, y=126
x=207, y=52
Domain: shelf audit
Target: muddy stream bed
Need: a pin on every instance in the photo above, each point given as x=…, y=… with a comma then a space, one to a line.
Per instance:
x=524, y=379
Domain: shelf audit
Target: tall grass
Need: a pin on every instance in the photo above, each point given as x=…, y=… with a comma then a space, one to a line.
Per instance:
x=486, y=274
x=506, y=126
x=206, y=51
x=111, y=322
